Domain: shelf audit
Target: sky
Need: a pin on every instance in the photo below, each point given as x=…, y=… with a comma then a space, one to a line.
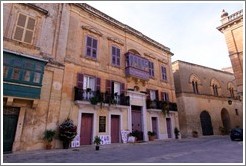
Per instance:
x=187, y=28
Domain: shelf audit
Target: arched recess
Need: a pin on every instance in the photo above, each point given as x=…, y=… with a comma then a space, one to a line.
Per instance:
x=226, y=120
x=207, y=128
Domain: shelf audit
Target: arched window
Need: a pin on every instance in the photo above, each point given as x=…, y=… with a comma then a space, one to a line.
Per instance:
x=215, y=90
x=215, y=87
x=231, y=88
x=195, y=82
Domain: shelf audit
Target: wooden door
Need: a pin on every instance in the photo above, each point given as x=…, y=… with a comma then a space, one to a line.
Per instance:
x=86, y=129
x=169, y=128
x=10, y=118
x=154, y=126
x=137, y=121
x=115, y=128
x=207, y=128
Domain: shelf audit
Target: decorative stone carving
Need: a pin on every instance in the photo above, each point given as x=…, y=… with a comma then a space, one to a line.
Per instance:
x=92, y=30
x=116, y=40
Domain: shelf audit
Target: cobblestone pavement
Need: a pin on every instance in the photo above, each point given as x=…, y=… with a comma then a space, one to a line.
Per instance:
x=210, y=149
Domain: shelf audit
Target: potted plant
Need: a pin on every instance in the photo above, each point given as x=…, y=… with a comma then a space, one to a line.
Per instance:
x=67, y=132
x=48, y=137
x=222, y=130
x=151, y=135
x=176, y=132
x=97, y=141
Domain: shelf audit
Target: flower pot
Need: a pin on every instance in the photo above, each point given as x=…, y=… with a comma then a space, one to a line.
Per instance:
x=48, y=146
x=97, y=147
x=151, y=138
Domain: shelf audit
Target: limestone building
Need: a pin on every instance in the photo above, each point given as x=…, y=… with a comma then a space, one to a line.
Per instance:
x=232, y=27
x=206, y=99
x=61, y=59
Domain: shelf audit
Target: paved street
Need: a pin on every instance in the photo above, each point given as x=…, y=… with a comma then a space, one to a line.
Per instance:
x=214, y=149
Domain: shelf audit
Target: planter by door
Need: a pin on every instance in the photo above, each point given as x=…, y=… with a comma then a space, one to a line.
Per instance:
x=66, y=144
x=97, y=147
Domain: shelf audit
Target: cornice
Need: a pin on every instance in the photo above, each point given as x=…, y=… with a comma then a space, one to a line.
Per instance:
x=121, y=26
x=37, y=8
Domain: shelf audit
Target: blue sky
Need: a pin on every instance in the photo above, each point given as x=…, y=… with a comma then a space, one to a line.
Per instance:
x=187, y=28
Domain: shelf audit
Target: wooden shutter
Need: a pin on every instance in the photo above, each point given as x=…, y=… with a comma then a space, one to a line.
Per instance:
x=108, y=86
x=19, y=31
x=98, y=84
x=122, y=88
x=156, y=95
x=29, y=30
x=80, y=80
x=162, y=96
x=148, y=94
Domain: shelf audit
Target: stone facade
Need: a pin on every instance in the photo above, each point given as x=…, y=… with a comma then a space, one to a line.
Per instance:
x=232, y=27
x=60, y=38
x=203, y=96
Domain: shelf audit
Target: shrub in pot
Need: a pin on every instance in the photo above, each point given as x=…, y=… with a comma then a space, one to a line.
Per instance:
x=48, y=137
x=151, y=135
x=67, y=132
x=97, y=141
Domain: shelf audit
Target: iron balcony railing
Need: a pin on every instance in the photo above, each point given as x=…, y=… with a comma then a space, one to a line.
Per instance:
x=155, y=104
x=100, y=97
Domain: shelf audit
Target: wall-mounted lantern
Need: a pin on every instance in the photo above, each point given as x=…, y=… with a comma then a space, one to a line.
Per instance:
x=229, y=102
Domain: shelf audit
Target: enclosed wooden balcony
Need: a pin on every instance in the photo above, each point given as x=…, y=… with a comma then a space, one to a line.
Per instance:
x=137, y=66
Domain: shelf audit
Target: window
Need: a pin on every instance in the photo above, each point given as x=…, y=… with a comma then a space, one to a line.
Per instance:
x=195, y=87
x=236, y=111
x=27, y=75
x=215, y=90
x=164, y=73
x=89, y=83
x=102, y=123
x=152, y=94
x=91, y=47
x=5, y=71
x=16, y=74
x=165, y=96
x=24, y=29
x=115, y=56
x=231, y=92
x=37, y=77
x=151, y=69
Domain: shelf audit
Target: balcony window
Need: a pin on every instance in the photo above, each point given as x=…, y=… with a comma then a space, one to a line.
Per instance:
x=165, y=96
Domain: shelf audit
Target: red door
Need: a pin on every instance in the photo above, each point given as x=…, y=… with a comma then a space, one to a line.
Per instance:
x=86, y=129
x=169, y=128
x=115, y=128
x=154, y=125
x=137, y=121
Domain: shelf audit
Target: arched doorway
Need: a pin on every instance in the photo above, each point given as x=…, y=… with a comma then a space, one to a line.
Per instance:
x=226, y=120
x=207, y=128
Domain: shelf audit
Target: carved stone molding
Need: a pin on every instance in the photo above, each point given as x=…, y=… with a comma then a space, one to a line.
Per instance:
x=92, y=30
x=116, y=40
